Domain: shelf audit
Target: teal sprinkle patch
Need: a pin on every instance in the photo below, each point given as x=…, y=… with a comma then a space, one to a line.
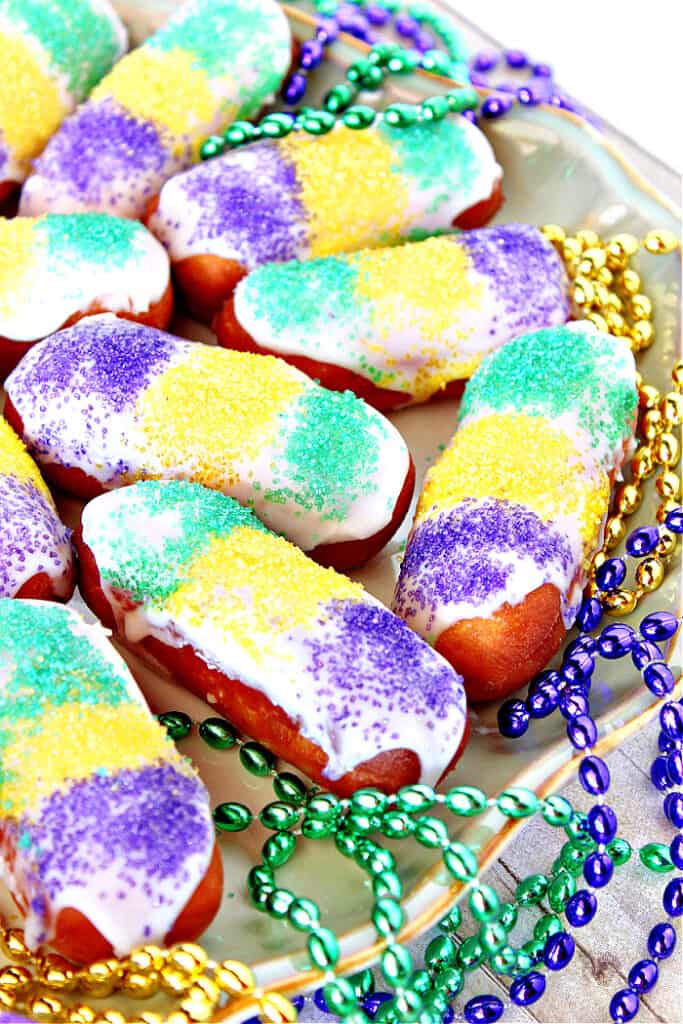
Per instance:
x=548, y=372
x=24, y=841
x=330, y=452
x=148, y=563
x=81, y=41
x=324, y=289
x=215, y=33
x=436, y=154
x=93, y=237
x=45, y=662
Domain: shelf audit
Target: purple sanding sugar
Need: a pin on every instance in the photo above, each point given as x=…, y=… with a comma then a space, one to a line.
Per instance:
x=369, y=662
x=526, y=274
x=252, y=198
x=98, y=151
x=455, y=557
x=137, y=828
x=33, y=538
x=3, y=157
x=13, y=1018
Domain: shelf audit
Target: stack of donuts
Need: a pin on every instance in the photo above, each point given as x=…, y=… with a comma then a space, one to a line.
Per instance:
x=223, y=489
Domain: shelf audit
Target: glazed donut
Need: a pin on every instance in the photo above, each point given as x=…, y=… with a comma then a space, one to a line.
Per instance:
x=212, y=62
x=53, y=53
x=108, y=402
x=297, y=656
x=402, y=324
x=106, y=835
x=495, y=565
x=35, y=554
x=58, y=268
x=303, y=197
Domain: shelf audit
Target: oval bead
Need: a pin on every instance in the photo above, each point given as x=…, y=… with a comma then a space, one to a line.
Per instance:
x=471, y=953
x=573, y=703
x=543, y=701
x=527, y=990
x=659, y=626
x=323, y=807
x=642, y=541
x=370, y=801
x=624, y=1005
x=359, y=116
x=578, y=667
x=589, y=614
x=177, y=724
x=493, y=936
x=387, y=883
x=598, y=869
x=373, y=1002
x=440, y=953
x=658, y=678
x=466, y=801
x=290, y=788
x=547, y=925
x=674, y=520
x=323, y=948
x=594, y=775
x=643, y=976
x=524, y=963
x=258, y=876
x=431, y=832
x=483, y=1010
x=611, y=574
x=452, y=921
x=573, y=859
x=516, y=802
x=435, y=108
x=582, y=732
x=581, y=908
x=656, y=858
x=363, y=983
x=560, y=890
x=387, y=916
x=396, y=825
x=451, y=982
x=643, y=652
x=278, y=848
x=556, y=811
x=211, y=147
x=671, y=719
x=673, y=807
x=531, y=890
x=415, y=799
x=278, y=815
x=303, y=914
x=484, y=903
x=661, y=941
x=659, y=774
x=616, y=640
x=460, y=861
x=340, y=997
x=396, y=964
x=278, y=903
x=218, y=733
x=508, y=916
x=311, y=828
x=674, y=766
x=620, y=851
x=602, y=823
x=676, y=851
x=232, y=817
x=256, y=759
x=559, y=949
x=513, y=718
x=672, y=900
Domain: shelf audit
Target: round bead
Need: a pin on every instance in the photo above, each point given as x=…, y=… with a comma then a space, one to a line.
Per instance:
x=513, y=718
x=602, y=823
x=671, y=719
x=589, y=614
x=178, y=725
x=659, y=626
x=528, y=989
x=611, y=574
x=558, y=951
x=643, y=976
x=598, y=869
x=658, y=678
x=624, y=1005
x=323, y=948
x=594, y=775
x=581, y=908
x=211, y=147
x=655, y=857
x=256, y=759
x=661, y=941
x=642, y=541
x=232, y=817
x=615, y=641
x=496, y=106
x=483, y=1010
x=218, y=733
x=676, y=851
x=582, y=732
x=672, y=900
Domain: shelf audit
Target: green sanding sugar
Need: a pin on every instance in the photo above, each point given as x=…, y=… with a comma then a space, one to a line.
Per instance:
x=79, y=38
x=153, y=529
x=45, y=663
x=330, y=452
x=324, y=290
x=95, y=237
x=216, y=33
x=556, y=370
x=436, y=154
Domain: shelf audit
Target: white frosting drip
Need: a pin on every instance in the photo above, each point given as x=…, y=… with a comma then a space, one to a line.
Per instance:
x=53, y=293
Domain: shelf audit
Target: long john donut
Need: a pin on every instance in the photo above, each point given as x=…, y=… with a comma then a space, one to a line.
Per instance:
x=400, y=325
x=106, y=835
x=36, y=559
x=297, y=656
x=212, y=62
x=302, y=197
x=59, y=268
x=510, y=512
x=53, y=53
x=108, y=402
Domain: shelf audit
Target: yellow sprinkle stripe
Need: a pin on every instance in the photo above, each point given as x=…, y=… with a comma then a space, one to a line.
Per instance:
x=348, y=188
x=15, y=460
x=77, y=740
x=270, y=604
x=216, y=393
x=20, y=255
x=31, y=109
x=488, y=458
